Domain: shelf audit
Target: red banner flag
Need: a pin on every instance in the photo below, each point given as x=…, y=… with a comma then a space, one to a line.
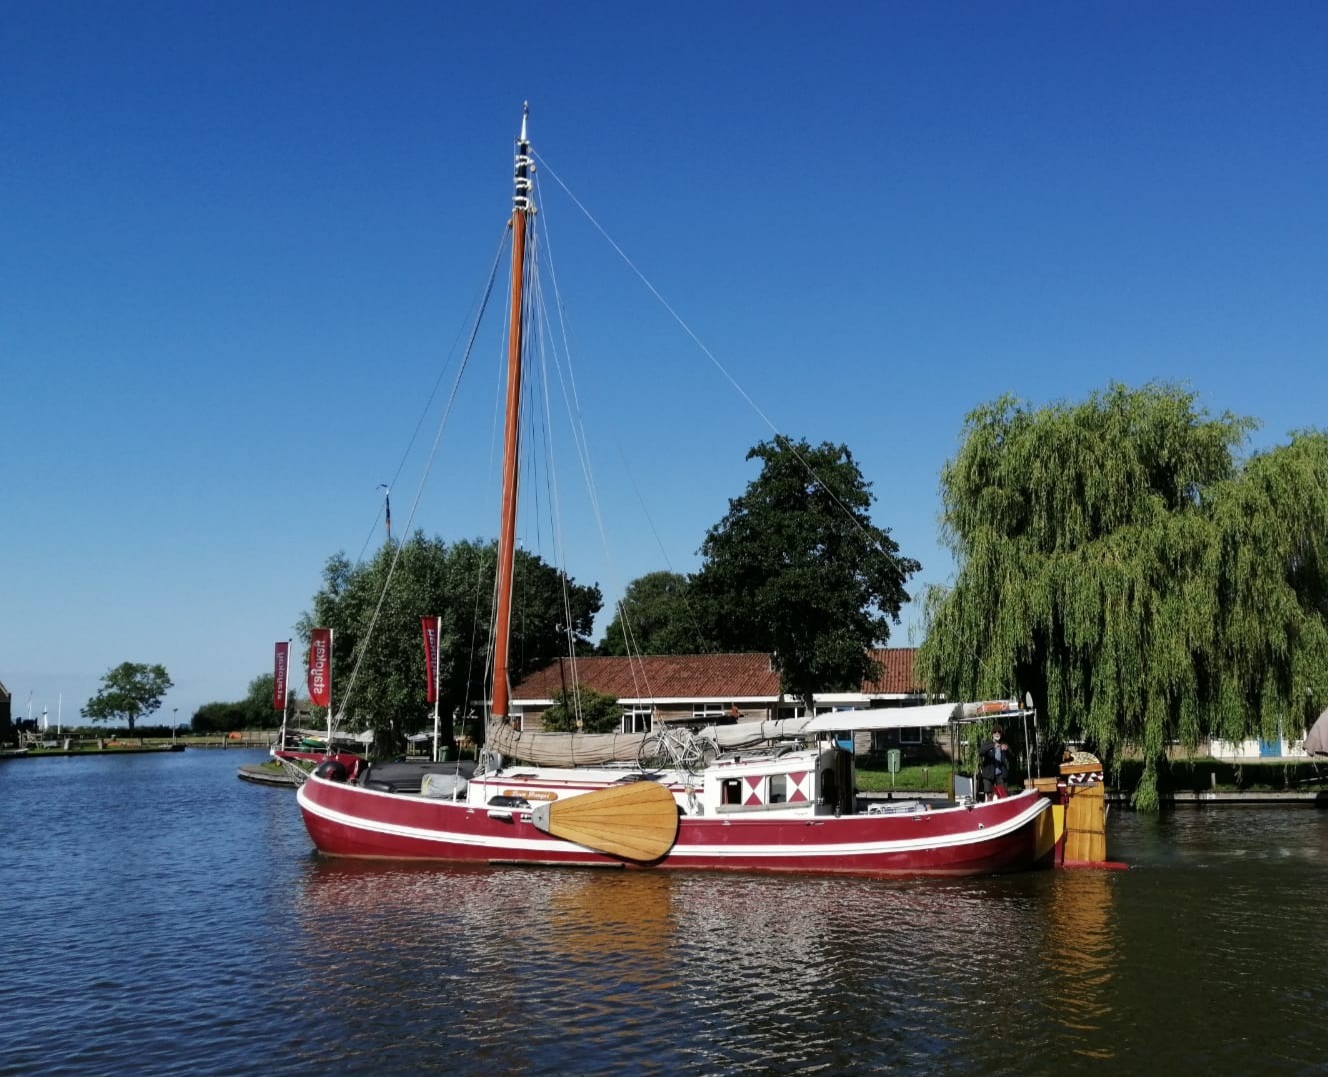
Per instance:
x=430, y=626
x=279, y=676
x=320, y=666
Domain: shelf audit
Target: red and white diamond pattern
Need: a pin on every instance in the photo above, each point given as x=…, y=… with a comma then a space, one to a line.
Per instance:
x=799, y=791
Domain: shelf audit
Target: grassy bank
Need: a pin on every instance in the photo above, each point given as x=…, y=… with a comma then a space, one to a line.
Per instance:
x=1177, y=776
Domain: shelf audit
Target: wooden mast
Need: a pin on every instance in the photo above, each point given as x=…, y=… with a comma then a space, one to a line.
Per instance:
x=521, y=209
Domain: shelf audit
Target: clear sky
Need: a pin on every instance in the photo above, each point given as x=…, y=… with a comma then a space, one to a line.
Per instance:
x=238, y=242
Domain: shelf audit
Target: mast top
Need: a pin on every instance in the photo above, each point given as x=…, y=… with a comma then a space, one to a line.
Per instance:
x=525, y=165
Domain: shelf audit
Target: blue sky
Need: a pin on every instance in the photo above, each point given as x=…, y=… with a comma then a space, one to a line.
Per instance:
x=238, y=242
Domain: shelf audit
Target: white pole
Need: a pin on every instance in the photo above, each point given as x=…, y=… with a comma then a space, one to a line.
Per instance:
x=329, y=691
x=59, y=713
x=435, y=672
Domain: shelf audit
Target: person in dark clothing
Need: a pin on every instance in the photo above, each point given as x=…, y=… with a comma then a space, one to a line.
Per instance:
x=993, y=765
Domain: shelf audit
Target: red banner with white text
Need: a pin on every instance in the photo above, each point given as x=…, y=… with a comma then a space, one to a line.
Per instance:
x=320, y=667
x=430, y=626
x=279, y=663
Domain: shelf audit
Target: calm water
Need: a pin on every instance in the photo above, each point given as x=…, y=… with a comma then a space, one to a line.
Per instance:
x=163, y=917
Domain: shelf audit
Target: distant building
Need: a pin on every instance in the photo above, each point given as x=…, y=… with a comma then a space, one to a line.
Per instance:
x=6, y=715
x=708, y=689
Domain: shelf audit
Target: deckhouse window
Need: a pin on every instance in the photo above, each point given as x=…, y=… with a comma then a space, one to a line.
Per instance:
x=636, y=720
x=778, y=789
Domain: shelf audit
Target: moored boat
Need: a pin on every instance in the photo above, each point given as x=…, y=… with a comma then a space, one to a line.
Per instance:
x=783, y=799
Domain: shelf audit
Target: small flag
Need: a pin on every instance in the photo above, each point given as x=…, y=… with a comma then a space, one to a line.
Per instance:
x=279, y=663
x=430, y=626
x=320, y=666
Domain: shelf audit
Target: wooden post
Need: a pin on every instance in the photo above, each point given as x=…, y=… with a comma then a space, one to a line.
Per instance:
x=1085, y=817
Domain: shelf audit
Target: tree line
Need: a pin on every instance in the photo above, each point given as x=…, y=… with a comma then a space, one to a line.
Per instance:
x=1119, y=560
x=840, y=581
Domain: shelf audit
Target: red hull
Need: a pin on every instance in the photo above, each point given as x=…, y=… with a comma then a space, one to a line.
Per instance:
x=351, y=821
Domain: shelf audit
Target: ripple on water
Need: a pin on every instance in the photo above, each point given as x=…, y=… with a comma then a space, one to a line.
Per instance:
x=165, y=918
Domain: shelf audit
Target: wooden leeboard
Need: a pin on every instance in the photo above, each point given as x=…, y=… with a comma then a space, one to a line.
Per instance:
x=637, y=821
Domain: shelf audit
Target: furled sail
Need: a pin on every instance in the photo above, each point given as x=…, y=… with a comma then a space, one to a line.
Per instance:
x=597, y=749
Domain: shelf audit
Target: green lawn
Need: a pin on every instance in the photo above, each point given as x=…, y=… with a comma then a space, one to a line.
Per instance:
x=874, y=778
x=1179, y=776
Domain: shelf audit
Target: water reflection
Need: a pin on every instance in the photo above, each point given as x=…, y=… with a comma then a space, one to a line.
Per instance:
x=930, y=967
x=177, y=919
x=1081, y=954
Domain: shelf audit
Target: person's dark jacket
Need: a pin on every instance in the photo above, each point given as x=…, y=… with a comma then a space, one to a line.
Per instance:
x=995, y=761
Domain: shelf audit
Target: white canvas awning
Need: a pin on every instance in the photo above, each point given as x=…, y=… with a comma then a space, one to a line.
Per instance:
x=928, y=715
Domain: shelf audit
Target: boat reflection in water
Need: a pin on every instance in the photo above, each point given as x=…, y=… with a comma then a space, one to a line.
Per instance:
x=1081, y=958
x=620, y=961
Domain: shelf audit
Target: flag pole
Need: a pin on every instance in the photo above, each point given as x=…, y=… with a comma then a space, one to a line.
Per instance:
x=435, y=673
x=330, y=634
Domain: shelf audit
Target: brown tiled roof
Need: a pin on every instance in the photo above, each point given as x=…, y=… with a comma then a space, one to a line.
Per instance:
x=897, y=676
x=696, y=676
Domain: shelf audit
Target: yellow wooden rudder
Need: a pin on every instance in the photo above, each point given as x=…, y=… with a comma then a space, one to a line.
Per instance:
x=636, y=821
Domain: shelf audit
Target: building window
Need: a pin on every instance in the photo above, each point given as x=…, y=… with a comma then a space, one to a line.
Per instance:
x=910, y=735
x=636, y=720
x=708, y=712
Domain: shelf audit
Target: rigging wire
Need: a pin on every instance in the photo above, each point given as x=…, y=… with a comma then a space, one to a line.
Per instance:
x=419, y=491
x=780, y=437
x=576, y=420
x=482, y=301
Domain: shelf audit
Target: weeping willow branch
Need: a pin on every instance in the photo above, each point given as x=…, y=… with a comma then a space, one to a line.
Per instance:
x=1121, y=563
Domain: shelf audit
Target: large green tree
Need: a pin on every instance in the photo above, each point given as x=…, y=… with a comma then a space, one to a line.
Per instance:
x=655, y=616
x=796, y=567
x=130, y=691
x=1118, y=561
x=376, y=627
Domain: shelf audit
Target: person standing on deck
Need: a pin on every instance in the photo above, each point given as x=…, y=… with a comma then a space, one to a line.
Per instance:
x=993, y=764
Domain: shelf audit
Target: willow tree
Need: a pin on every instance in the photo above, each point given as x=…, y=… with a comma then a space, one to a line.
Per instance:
x=1122, y=564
